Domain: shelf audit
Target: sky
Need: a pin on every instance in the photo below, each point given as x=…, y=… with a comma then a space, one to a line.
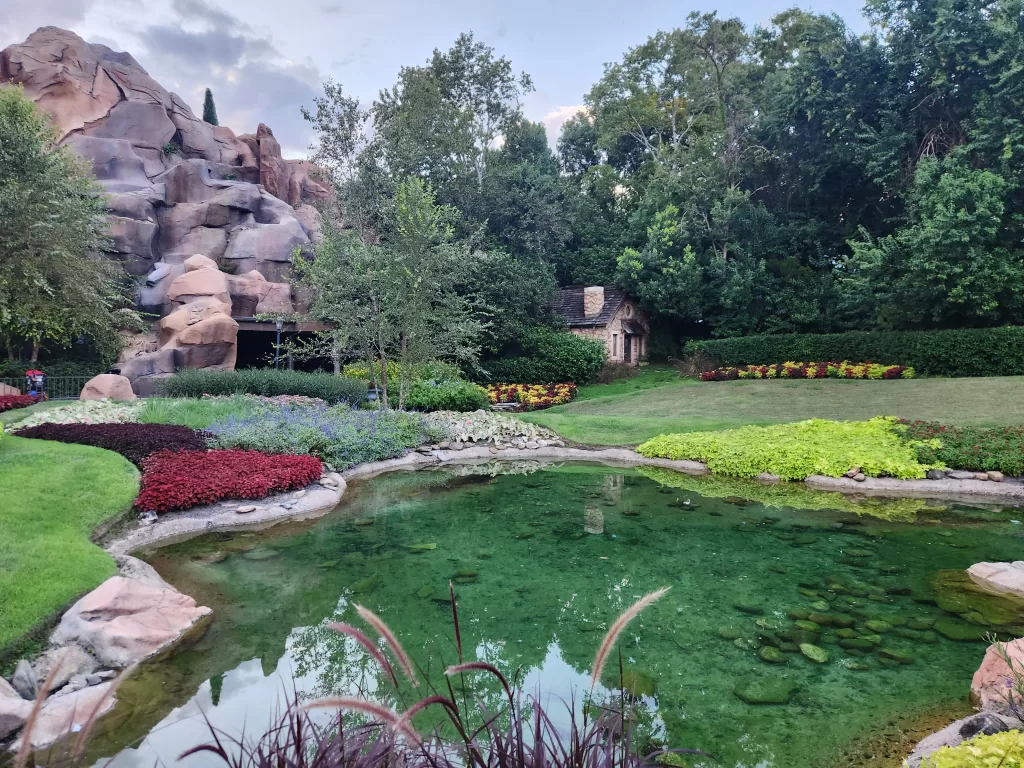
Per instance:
x=264, y=59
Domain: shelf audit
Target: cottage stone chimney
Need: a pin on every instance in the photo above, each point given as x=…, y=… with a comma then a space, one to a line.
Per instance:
x=593, y=300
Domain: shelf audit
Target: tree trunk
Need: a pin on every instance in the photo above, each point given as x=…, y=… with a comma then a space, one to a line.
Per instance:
x=384, y=376
x=402, y=376
x=336, y=358
x=35, y=351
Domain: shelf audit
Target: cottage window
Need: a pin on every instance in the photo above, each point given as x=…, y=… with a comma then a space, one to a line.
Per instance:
x=615, y=345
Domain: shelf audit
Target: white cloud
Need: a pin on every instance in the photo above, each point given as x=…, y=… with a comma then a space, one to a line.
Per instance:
x=553, y=122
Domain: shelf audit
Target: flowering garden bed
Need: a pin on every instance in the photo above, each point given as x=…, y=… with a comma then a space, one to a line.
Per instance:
x=10, y=402
x=133, y=441
x=792, y=370
x=183, y=479
x=532, y=397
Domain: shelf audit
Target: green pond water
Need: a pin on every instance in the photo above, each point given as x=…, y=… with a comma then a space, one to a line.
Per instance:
x=543, y=558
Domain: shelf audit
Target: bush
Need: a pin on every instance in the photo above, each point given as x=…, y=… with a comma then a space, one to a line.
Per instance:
x=184, y=479
x=341, y=436
x=482, y=427
x=551, y=356
x=446, y=396
x=435, y=371
x=133, y=441
x=265, y=381
x=86, y=412
x=999, y=449
x=1000, y=750
x=533, y=397
x=791, y=370
x=10, y=402
x=794, y=451
x=972, y=352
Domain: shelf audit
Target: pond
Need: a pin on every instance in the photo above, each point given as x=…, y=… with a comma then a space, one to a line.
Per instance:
x=543, y=558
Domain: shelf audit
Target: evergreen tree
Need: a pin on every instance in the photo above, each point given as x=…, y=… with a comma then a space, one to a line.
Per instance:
x=209, y=109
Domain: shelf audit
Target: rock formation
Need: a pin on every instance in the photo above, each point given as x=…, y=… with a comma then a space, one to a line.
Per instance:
x=177, y=187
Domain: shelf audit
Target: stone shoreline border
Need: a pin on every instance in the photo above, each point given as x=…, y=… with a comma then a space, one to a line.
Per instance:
x=319, y=500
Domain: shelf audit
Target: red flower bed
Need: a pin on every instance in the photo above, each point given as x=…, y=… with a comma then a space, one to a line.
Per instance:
x=184, y=479
x=10, y=402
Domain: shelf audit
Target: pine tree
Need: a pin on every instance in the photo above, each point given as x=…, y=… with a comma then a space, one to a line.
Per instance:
x=209, y=109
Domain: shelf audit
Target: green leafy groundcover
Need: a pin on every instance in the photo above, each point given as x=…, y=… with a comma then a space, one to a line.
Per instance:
x=795, y=495
x=975, y=448
x=794, y=451
x=1000, y=750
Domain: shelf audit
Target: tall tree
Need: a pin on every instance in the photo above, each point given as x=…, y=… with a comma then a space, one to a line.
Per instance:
x=54, y=286
x=209, y=109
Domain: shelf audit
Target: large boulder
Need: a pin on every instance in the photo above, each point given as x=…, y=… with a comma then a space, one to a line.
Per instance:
x=68, y=661
x=1001, y=578
x=114, y=162
x=13, y=714
x=992, y=683
x=200, y=282
x=107, y=386
x=125, y=621
x=61, y=715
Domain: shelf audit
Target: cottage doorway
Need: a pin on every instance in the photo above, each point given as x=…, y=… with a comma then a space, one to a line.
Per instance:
x=627, y=347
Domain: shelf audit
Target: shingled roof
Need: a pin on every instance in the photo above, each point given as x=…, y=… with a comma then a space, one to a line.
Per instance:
x=568, y=303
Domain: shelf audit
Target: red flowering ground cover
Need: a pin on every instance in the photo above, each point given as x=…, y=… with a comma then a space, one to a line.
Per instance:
x=10, y=402
x=184, y=479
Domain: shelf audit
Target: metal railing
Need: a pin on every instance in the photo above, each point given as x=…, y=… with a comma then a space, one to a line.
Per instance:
x=57, y=387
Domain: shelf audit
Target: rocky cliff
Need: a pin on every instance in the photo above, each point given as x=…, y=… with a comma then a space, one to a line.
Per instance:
x=177, y=188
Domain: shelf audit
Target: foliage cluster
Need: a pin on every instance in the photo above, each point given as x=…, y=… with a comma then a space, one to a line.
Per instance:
x=183, y=479
x=969, y=352
x=972, y=448
x=85, y=412
x=133, y=441
x=999, y=750
x=434, y=370
x=544, y=356
x=10, y=402
x=795, y=451
x=793, y=370
x=197, y=413
x=482, y=427
x=340, y=435
x=55, y=366
x=269, y=382
x=533, y=397
x=445, y=396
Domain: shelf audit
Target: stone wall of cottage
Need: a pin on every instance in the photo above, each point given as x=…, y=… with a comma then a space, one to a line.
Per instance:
x=613, y=338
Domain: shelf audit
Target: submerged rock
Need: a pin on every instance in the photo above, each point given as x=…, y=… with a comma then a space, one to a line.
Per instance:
x=960, y=631
x=814, y=653
x=771, y=655
x=750, y=608
x=765, y=689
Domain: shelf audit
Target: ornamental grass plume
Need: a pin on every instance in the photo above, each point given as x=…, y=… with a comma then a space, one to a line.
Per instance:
x=616, y=629
x=385, y=632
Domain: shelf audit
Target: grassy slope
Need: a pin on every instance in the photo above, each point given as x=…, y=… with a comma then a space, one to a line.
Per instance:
x=620, y=417
x=54, y=496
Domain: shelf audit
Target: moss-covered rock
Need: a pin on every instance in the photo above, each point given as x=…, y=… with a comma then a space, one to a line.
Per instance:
x=765, y=689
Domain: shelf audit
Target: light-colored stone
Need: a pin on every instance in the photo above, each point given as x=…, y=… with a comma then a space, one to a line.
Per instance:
x=61, y=715
x=995, y=477
x=7, y=389
x=962, y=475
x=245, y=509
x=981, y=476
x=200, y=282
x=109, y=386
x=277, y=301
x=7, y=691
x=13, y=714
x=989, y=687
x=124, y=621
x=860, y=477
x=953, y=734
x=69, y=660
x=1001, y=578
x=133, y=568
x=199, y=261
x=24, y=680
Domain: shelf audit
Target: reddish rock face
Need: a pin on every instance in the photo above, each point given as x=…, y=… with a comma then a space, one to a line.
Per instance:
x=107, y=385
x=989, y=687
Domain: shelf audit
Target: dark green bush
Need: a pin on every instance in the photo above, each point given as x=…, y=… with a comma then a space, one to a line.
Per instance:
x=972, y=352
x=446, y=396
x=265, y=381
x=549, y=357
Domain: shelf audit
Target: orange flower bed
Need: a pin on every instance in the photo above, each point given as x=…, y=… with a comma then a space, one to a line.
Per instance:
x=532, y=397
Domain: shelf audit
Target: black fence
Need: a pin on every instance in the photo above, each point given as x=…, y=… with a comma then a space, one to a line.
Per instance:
x=57, y=387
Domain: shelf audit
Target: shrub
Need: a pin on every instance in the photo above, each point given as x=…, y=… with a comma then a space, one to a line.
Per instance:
x=446, y=396
x=1000, y=750
x=341, y=436
x=533, y=397
x=971, y=352
x=265, y=381
x=86, y=412
x=551, y=356
x=974, y=448
x=482, y=427
x=791, y=370
x=794, y=451
x=10, y=402
x=184, y=479
x=434, y=371
x=133, y=441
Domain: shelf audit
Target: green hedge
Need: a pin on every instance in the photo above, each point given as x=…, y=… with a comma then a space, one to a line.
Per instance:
x=264, y=381
x=446, y=396
x=552, y=357
x=974, y=352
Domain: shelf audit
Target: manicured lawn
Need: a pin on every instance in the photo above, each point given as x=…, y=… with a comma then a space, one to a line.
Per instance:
x=628, y=418
x=53, y=497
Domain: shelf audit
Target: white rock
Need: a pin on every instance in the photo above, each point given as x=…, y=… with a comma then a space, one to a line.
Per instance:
x=298, y=494
x=1002, y=578
x=245, y=509
x=13, y=714
x=995, y=477
x=25, y=681
x=133, y=568
x=70, y=660
x=6, y=691
x=61, y=715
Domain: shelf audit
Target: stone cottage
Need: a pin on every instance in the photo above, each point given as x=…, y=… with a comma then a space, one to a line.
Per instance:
x=606, y=313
